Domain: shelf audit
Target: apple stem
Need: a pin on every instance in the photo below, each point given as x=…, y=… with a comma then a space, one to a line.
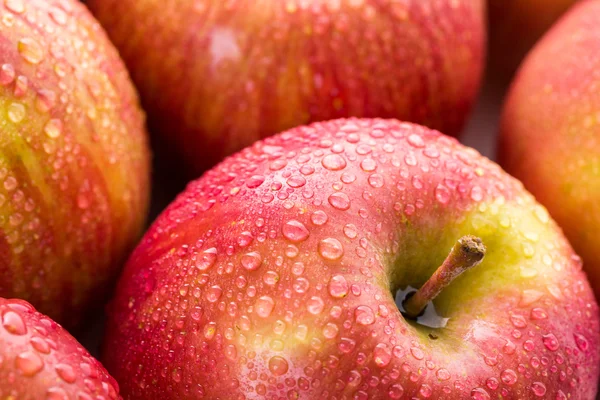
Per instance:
x=467, y=253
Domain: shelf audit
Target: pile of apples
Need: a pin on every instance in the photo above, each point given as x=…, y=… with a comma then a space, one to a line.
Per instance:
x=331, y=243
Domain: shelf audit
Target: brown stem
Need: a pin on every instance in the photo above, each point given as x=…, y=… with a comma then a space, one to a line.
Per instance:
x=466, y=253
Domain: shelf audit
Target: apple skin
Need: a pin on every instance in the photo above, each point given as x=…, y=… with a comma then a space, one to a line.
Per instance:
x=74, y=158
x=550, y=137
x=515, y=26
x=273, y=275
x=41, y=360
x=215, y=76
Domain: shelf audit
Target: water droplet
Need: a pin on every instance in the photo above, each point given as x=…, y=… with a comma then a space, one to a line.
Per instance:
x=340, y=201
x=296, y=181
x=376, y=181
x=538, y=388
x=53, y=128
x=442, y=194
x=319, y=218
x=16, y=6
x=213, y=293
x=40, y=345
x=479, y=394
x=16, y=112
x=295, y=231
x=550, y=341
x=364, y=315
x=301, y=285
x=476, y=193
x=560, y=395
x=417, y=353
x=338, y=286
x=416, y=140
x=382, y=355
x=315, y=305
x=425, y=391
x=346, y=345
x=255, y=181
x=29, y=363
x=251, y=261
x=442, y=374
x=57, y=393
x=209, y=330
x=581, y=342
x=538, y=314
x=330, y=330
x=334, y=162
x=207, y=259
x=31, y=50
x=264, y=306
x=278, y=366
x=331, y=249
x=509, y=377
x=66, y=373
x=518, y=321
x=13, y=323
x=529, y=297
x=7, y=74
x=368, y=165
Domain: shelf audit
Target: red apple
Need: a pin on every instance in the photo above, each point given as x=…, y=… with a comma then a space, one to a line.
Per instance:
x=515, y=26
x=73, y=158
x=217, y=75
x=274, y=275
x=40, y=360
x=550, y=136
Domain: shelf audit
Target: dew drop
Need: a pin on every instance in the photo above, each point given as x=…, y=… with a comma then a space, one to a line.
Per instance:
x=319, y=218
x=53, y=128
x=338, y=286
x=550, y=341
x=315, y=305
x=255, y=181
x=581, y=342
x=295, y=231
x=538, y=388
x=251, y=261
x=340, y=201
x=334, y=162
x=416, y=140
x=376, y=181
x=16, y=112
x=29, y=363
x=382, y=355
x=207, y=259
x=57, y=393
x=16, y=6
x=66, y=373
x=442, y=194
x=509, y=377
x=330, y=330
x=278, y=366
x=31, y=50
x=40, y=345
x=296, y=181
x=209, y=330
x=346, y=345
x=396, y=391
x=13, y=323
x=538, y=314
x=213, y=294
x=331, y=249
x=364, y=315
x=264, y=306
x=479, y=394
x=442, y=374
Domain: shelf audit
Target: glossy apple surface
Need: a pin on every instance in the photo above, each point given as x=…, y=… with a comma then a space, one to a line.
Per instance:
x=550, y=136
x=217, y=75
x=515, y=27
x=275, y=273
x=40, y=360
x=73, y=157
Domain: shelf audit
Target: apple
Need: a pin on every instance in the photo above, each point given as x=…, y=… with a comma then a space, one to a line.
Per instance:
x=74, y=158
x=41, y=360
x=217, y=75
x=515, y=26
x=550, y=136
x=275, y=275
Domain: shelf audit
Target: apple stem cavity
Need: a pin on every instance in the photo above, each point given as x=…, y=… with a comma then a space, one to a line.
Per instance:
x=467, y=253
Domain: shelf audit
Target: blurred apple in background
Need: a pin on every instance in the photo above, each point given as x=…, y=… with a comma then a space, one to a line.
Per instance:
x=275, y=275
x=40, y=360
x=74, y=160
x=217, y=75
x=550, y=136
x=515, y=26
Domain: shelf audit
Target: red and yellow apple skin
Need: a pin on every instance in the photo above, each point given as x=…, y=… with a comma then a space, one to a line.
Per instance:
x=41, y=360
x=74, y=160
x=550, y=135
x=515, y=27
x=273, y=275
x=215, y=76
